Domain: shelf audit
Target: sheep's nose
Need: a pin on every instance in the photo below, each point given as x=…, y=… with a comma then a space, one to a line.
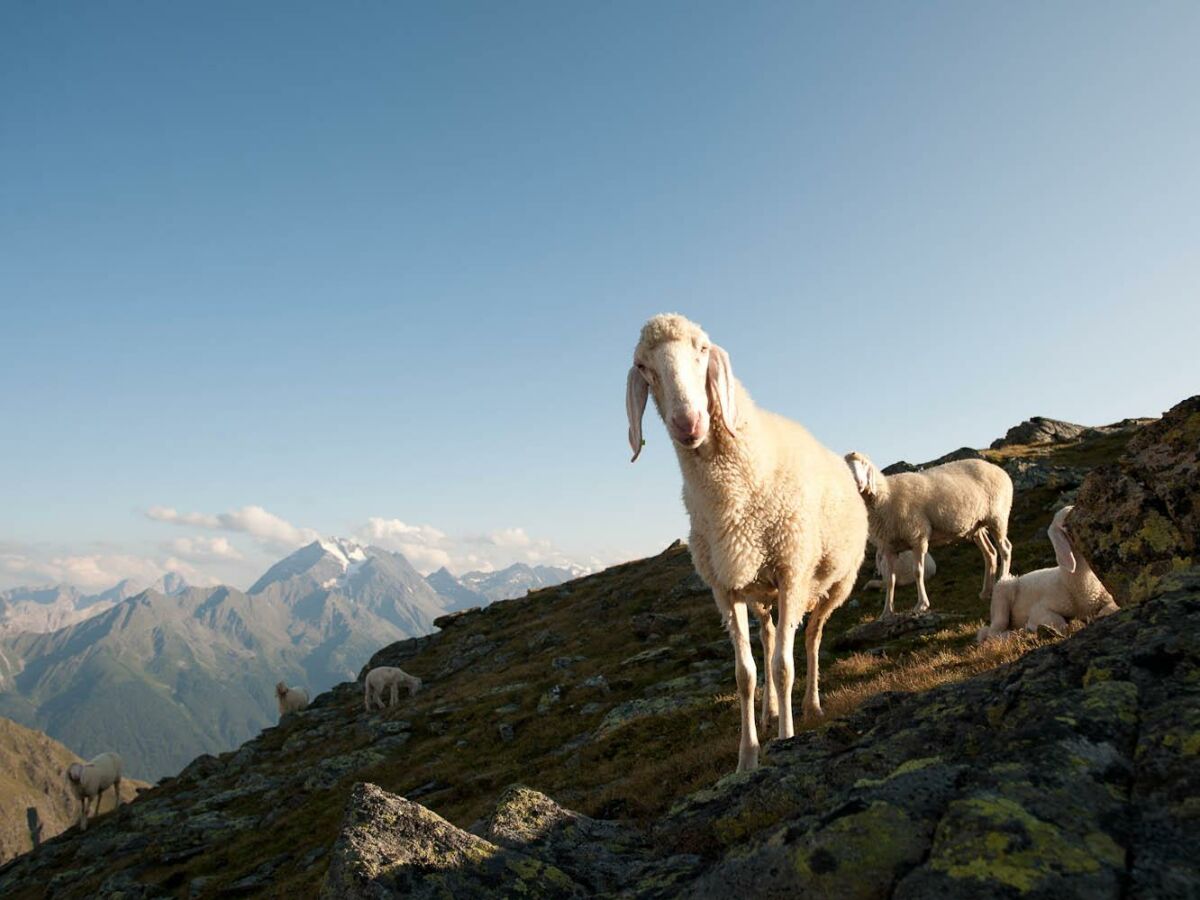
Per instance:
x=687, y=423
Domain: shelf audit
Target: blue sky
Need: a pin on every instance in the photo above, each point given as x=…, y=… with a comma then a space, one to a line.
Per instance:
x=275, y=269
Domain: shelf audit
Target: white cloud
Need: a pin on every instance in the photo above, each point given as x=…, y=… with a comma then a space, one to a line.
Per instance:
x=429, y=548
x=202, y=549
x=252, y=520
x=92, y=571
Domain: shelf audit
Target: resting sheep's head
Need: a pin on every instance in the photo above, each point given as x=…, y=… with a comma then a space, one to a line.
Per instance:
x=75, y=772
x=691, y=380
x=866, y=476
x=1060, y=538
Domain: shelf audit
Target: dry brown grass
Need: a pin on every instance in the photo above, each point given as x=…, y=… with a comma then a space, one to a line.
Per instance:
x=948, y=659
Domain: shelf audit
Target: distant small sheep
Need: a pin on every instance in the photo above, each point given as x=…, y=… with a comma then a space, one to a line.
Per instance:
x=1049, y=598
x=382, y=678
x=290, y=699
x=91, y=779
x=906, y=570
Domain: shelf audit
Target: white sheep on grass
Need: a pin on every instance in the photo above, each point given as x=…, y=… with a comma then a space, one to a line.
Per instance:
x=290, y=699
x=775, y=516
x=89, y=781
x=383, y=678
x=1050, y=597
x=917, y=510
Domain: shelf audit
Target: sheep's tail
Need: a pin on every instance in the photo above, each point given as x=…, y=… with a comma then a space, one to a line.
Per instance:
x=1004, y=597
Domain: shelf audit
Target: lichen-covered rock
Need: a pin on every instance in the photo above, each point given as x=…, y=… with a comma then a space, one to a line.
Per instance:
x=603, y=856
x=1138, y=519
x=391, y=847
x=1027, y=474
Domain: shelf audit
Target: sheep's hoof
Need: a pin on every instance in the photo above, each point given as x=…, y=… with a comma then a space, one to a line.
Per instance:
x=888, y=616
x=919, y=609
x=813, y=713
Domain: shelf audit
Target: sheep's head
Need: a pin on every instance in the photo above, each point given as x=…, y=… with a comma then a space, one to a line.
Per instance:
x=281, y=689
x=1060, y=539
x=413, y=686
x=75, y=772
x=691, y=380
x=866, y=476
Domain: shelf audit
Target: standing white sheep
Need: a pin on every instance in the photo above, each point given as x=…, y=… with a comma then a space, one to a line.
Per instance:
x=89, y=780
x=1050, y=597
x=917, y=510
x=382, y=678
x=290, y=699
x=775, y=516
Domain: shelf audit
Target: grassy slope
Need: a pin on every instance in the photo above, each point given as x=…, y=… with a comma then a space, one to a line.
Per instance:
x=637, y=771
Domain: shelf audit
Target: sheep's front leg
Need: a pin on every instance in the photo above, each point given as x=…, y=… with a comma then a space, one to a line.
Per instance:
x=791, y=607
x=890, y=561
x=770, y=697
x=736, y=621
x=83, y=817
x=918, y=551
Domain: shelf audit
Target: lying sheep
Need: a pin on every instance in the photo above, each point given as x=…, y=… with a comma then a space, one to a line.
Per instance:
x=917, y=510
x=89, y=780
x=290, y=699
x=906, y=570
x=1050, y=597
x=775, y=516
x=383, y=677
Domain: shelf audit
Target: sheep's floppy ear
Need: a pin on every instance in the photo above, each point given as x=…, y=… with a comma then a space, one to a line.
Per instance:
x=1063, y=551
x=864, y=473
x=720, y=384
x=637, y=389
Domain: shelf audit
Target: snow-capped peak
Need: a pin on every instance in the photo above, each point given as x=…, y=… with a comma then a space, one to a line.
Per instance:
x=344, y=551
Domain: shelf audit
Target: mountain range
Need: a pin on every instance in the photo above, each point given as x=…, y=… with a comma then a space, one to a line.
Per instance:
x=172, y=671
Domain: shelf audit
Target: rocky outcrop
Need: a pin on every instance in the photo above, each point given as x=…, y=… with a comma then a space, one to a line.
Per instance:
x=953, y=456
x=1040, y=430
x=1138, y=520
x=1068, y=773
x=392, y=847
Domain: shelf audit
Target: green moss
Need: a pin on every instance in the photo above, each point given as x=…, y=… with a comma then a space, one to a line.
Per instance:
x=860, y=855
x=1095, y=674
x=995, y=839
x=1106, y=699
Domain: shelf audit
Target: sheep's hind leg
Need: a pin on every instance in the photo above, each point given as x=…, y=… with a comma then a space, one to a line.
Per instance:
x=737, y=623
x=1044, y=618
x=812, y=644
x=918, y=551
x=766, y=635
x=980, y=536
x=890, y=561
